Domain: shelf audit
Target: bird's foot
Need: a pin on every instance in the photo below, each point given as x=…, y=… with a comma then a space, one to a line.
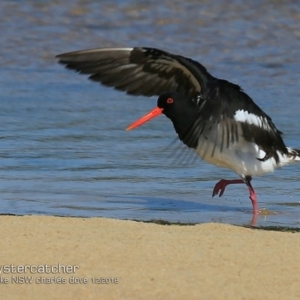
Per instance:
x=221, y=186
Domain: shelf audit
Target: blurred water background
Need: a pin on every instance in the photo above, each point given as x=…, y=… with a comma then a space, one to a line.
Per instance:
x=64, y=149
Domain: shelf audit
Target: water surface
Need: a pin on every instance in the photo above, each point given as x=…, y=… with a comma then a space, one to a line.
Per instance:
x=64, y=150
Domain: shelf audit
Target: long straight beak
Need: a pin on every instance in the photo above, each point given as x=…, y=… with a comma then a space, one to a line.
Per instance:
x=152, y=114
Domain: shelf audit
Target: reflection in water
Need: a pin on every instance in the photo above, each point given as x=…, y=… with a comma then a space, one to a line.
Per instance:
x=64, y=149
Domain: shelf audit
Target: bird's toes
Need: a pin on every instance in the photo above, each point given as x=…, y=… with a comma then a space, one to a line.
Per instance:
x=215, y=192
x=221, y=192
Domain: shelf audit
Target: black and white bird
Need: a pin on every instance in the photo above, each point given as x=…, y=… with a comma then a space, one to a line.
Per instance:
x=212, y=116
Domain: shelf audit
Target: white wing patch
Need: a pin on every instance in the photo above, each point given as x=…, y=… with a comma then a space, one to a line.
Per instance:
x=246, y=117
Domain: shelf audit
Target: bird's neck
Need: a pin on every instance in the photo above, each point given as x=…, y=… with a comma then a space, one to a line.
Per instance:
x=183, y=122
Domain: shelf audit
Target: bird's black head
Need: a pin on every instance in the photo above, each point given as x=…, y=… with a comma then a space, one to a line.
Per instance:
x=180, y=109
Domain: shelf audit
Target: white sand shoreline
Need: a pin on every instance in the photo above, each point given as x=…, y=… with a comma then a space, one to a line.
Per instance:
x=119, y=259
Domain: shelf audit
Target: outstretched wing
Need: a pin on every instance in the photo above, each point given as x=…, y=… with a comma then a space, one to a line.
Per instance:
x=140, y=71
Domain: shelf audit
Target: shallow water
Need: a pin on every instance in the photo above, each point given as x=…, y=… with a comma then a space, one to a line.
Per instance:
x=64, y=150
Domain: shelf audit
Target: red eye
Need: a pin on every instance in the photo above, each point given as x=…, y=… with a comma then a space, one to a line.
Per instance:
x=170, y=100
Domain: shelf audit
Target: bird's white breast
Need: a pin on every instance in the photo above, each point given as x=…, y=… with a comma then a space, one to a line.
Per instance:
x=241, y=157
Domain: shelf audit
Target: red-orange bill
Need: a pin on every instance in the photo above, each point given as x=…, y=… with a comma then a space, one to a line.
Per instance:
x=152, y=114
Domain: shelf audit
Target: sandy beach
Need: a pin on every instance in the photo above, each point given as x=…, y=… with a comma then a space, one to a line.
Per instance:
x=75, y=258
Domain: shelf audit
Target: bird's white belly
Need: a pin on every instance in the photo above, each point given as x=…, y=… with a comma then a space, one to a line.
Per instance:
x=240, y=157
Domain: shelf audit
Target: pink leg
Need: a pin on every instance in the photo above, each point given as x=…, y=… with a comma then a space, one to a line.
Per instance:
x=253, y=199
x=221, y=185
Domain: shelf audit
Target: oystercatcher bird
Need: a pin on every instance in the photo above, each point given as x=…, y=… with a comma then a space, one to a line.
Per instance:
x=213, y=116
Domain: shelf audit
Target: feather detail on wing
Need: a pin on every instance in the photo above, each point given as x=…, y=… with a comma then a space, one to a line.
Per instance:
x=228, y=116
x=140, y=71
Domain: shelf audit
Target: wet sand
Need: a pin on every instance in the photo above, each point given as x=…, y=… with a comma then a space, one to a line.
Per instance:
x=97, y=258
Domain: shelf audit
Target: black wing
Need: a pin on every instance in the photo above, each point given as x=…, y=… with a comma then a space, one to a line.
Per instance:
x=140, y=71
x=227, y=115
